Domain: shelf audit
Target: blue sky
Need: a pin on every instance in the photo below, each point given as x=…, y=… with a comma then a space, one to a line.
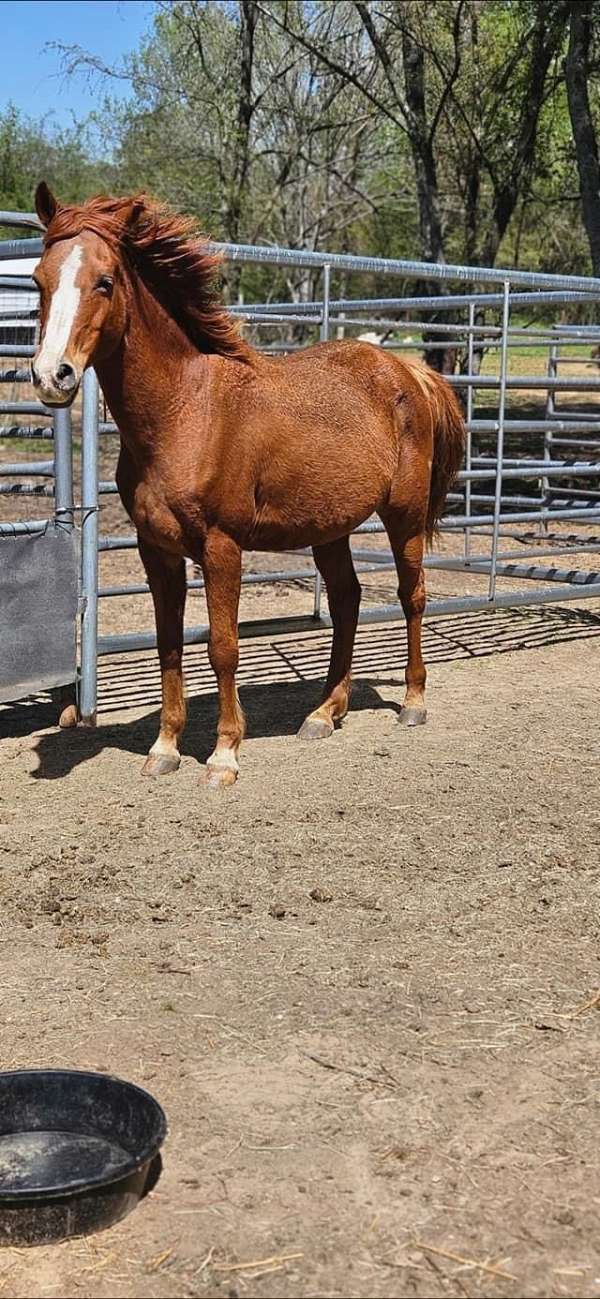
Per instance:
x=31, y=74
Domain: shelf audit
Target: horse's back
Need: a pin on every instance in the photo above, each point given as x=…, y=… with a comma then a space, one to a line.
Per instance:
x=385, y=379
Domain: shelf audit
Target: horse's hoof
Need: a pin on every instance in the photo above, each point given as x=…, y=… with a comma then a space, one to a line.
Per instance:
x=315, y=728
x=65, y=701
x=68, y=717
x=412, y=716
x=219, y=777
x=160, y=764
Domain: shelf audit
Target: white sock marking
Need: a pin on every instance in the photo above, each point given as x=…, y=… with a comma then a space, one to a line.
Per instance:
x=164, y=748
x=223, y=760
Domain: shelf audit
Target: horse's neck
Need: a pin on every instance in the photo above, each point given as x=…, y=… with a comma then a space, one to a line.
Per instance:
x=139, y=379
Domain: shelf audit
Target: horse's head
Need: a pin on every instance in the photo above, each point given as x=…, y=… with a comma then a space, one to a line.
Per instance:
x=82, y=300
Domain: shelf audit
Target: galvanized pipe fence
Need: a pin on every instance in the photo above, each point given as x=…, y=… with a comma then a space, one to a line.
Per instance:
x=563, y=450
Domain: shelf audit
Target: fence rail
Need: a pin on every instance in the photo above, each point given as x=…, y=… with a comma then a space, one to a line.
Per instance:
x=552, y=488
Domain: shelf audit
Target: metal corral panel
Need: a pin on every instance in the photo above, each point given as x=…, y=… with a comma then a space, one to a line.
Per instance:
x=38, y=611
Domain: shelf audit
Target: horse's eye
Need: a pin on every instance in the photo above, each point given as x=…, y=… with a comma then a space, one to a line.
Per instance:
x=105, y=285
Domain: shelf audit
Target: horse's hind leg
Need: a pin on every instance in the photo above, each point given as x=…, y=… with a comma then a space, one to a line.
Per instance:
x=334, y=562
x=407, y=546
x=166, y=578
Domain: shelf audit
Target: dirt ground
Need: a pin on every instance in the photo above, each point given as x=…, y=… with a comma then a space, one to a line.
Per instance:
x=363, y=983
x=367, y=1084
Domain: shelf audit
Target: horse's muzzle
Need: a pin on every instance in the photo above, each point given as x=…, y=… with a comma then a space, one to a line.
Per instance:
x=57, y=387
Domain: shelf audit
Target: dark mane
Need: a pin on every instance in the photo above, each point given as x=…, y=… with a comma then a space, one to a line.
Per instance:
x=169, y=255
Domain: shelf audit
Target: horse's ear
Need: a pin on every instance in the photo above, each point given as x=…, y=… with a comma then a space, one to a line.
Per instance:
x=46, y=205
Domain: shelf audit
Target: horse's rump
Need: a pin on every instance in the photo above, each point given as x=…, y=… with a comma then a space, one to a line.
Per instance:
x=448, y=439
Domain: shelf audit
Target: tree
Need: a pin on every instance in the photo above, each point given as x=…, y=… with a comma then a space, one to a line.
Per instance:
x=30, y=150
x=230, y=119
x=437, y=131
x=581, y=19
x=464, y=85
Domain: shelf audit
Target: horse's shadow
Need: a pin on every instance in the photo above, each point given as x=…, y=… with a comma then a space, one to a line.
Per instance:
x=277, y=709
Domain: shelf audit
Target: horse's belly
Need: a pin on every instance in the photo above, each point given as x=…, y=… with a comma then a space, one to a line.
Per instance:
x=322, y=481
x=308, y=520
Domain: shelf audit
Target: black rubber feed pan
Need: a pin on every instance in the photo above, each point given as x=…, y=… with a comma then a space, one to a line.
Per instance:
x=77, y=1151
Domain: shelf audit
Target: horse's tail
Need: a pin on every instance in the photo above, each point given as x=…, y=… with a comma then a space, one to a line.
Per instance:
x=448, y=446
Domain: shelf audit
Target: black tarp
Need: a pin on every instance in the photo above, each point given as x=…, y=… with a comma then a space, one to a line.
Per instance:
x=38, y=611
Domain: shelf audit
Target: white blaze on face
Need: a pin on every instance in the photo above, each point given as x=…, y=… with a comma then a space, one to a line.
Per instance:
x=63, y=309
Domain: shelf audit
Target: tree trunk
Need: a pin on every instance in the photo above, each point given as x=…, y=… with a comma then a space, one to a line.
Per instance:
x=584, y=135
x=234, y=202
x=545, y=43
x=440, y=358
x=430, y=224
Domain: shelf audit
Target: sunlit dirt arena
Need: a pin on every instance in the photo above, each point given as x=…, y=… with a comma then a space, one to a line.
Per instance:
x=361, y=982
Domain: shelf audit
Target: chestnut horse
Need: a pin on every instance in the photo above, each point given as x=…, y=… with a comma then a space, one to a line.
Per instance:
x=224, y=449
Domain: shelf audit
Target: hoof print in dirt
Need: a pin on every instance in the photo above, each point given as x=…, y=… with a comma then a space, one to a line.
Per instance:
x=320, y=895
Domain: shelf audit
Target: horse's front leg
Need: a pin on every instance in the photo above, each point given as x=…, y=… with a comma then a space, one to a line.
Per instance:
x=222, y=567
x=166, y=577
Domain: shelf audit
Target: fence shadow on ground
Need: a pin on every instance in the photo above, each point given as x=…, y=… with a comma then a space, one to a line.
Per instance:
x=279, y=681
